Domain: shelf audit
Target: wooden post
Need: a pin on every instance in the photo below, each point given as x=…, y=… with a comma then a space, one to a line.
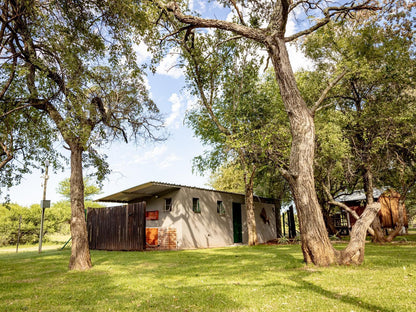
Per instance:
x=284, y=224
x=18, y=234
x=291, y=220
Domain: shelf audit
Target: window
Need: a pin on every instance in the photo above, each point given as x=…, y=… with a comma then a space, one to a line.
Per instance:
x=168, y=204
x=195, y=205
x=220, y=207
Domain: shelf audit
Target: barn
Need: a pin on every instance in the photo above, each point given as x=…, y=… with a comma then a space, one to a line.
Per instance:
x=183, y=217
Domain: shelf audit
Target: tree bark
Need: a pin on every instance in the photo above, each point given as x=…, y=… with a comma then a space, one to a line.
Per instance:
x=80, y=254
x=249, y=201
x=378, y=236
x=354, y=253
x=316, y=246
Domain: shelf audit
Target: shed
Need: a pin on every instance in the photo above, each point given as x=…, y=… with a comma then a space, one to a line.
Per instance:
x=182, y=217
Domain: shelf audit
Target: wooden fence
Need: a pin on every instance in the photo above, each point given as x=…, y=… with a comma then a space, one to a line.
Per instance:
x=117, y=228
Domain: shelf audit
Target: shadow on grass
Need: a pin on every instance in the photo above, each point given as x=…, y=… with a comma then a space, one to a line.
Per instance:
x=359, y=303
x=221, y=279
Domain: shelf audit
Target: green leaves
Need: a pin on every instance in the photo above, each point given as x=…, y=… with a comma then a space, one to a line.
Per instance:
x=89, y=189
x=372, y=108
x=76, y=58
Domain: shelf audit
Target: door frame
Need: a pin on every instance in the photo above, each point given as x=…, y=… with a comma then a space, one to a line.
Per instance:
x=237, y=224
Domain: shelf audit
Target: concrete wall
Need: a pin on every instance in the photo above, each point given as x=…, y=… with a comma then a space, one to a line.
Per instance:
x=207, y=228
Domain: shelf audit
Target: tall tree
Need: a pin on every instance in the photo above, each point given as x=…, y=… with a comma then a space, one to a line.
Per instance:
x=26, y=139
x=274, y=16
x=76, y=63
x=375, y=100
x=233, y=111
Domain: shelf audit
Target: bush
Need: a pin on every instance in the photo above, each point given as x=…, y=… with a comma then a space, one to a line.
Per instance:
x=55, y=217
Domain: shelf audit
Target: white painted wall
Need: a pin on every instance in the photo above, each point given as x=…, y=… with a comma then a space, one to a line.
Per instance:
x=208, y=228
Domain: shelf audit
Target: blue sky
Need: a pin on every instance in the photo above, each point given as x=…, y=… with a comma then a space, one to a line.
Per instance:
x=169, y=161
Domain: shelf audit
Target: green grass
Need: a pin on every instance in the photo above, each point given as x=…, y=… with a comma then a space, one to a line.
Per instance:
x=261, y=278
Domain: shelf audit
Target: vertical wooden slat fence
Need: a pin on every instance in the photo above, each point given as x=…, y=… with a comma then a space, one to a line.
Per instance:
x=117, y=228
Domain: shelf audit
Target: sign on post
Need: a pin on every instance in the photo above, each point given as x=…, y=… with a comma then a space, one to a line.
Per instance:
x=45, y=204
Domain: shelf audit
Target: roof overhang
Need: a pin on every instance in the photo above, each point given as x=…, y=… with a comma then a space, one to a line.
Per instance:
x=149, y=190
x=141, y=192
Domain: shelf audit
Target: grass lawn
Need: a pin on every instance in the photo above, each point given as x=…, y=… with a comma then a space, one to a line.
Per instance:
x=260, y=278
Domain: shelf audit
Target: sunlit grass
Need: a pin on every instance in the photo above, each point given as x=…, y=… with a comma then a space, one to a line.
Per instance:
x=261, y=278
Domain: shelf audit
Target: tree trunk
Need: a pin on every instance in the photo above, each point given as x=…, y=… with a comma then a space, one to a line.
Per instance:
x=316, y=246
x=80, y=253
x=378, y=236
x=251, y=218
x=354, y=253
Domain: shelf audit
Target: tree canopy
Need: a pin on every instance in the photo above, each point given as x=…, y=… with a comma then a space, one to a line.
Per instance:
x=266, y=23
x=74, y=62
x=90, y=189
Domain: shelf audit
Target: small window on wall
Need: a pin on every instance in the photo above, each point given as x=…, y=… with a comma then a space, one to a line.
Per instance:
x=195, y=205
x=220, y=207
x=168, y=204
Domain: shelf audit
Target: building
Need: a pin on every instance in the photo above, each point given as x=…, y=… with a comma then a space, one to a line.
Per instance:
x=388, y=214
x=182, y=217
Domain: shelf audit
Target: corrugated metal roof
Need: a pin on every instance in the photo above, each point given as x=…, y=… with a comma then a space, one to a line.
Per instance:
x=147, y=190
x=359, y=195
x=151, y=189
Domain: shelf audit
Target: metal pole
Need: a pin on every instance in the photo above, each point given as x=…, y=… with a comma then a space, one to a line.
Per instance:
x=45, y=177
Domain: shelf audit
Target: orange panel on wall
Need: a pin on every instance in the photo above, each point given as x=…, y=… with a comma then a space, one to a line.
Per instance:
x=152, y=236
x=152, y=215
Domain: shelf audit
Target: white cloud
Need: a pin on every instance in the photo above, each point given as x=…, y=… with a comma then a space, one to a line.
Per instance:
x=176, y=101
x=169, y=161
x=142, y=52
x=230, y=16
x=169, y=65
x=298, y=59
x=191, y=102
x=160, y=157
x=156, y=152
x=181, y=103
x=147, y=85
x=202, y=6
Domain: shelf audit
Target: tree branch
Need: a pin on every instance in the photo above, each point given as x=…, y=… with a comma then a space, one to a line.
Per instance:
x=204, y=99
x=32, y=103
x=240, y=16
x=332, y=201
x=9, y=155
x=258, y=35
x=317, y=106
x=187, y=28
x=330, y=12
